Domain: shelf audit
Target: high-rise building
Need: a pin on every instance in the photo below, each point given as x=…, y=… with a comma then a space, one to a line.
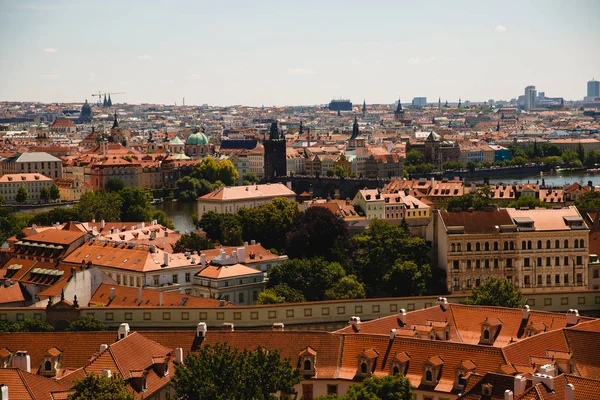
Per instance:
x=593, y=88
x=419, y=101
x=275, y=153
x=530, y=95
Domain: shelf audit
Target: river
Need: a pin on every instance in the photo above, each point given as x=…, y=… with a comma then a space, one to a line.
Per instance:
x=180, y=212
x=550, y=178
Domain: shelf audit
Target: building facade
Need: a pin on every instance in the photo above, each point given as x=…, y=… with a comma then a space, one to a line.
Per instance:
x=33, y=183
x=33, y=163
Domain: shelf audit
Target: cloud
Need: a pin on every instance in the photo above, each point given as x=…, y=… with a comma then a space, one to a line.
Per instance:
x=145, y=57
x=301, y=71
x=195, y=76
x=417, y=60
x=92, y=77
x=50, y=50
x=500, y=28
x=50, y=76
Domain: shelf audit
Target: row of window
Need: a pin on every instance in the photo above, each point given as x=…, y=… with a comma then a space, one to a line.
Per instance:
x=525, y=245
x=526, y=280
x=487, y=263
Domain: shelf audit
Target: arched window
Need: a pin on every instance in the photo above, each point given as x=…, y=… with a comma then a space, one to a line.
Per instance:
x=307, y=365
x=539, y=246
x=505, y=245
x=395, y=370
x=447, y=335
x=566, y=244
x=557, y=244
x=363, y=368
x=468, y=246
x=487, y=246
x=576, y=242
x=496, y=246
x=547, y=244
x=581, y=243
x=477, y=246
x=459, y=247
x=428, y=376
x=486, y=334
x=529, y=245
x=523, y=245
x=512, y=245
x=48, y=366
x=453, y=246
x=461, y=380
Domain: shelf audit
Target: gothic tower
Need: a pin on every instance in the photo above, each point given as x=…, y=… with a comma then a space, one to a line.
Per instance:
x=399, y=113
x=364, y=109
x=355, y=130
x=275, y=153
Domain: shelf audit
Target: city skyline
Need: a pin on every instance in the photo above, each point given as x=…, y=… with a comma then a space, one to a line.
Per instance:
x=287, y=54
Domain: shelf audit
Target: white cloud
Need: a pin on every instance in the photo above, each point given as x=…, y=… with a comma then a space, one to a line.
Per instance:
x=301, y=71
x=50, y=76
x=145, y=57
x=50, y=50
x=92, y=77
x=417, y=60
x=500, y=28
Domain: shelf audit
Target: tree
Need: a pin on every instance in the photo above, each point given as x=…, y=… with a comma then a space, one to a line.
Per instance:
x=285, y=293
x=268, y=296
x=100, y=387
x=161, y=218
x=58, y=214
x=580, y=152
x=21, y=195
x=1, y=199
x=11, y=223
x=135, y=206
x=192, y=242
x=414, y=157
x=30, y=325
x=528, y=201
x=346, y=288
x=87, y=323
x=45, y=194
x=340, y=171
x=223, y=228
x=250, y=178
x=589, y=200
x=100, y=205
x=227, y=172
x=496, y=292
x=391, y=387
x=570, y=157
x=310, y=277
x=553, y=161
x=114, y=185
x=188, y=188
x=478, y=200
x=320, y=233
x=471, y=166
x=54, y=192
x=591, y=158
x=220, y=372
x=452, y=165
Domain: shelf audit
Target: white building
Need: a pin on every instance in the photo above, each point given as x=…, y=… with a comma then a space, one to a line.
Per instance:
x=530, y=95
x=33, y=183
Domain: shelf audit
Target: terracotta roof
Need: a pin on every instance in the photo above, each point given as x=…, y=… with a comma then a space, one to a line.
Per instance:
x=547, y=219
x=232, y=193
x=11, y=294
x=477, y=221
x=24, y=385
x=54, y=236
x=585, y=355
x=226, y=271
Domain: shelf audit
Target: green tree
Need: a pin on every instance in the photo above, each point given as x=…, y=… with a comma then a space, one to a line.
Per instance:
x=220, y=372
x=1, y=199
x=320, y=233
x=591, y=159
x=391, y=387
x=478, y=200
x=452, y=165
x=100, y=387
x=54, y=192
x=114, y=185
x=223, y=228
x=207, y=169
x=528, y=201
x=268, y=296
x=553, y=161
x=570, y=157
x=589, y=200
x=45, y=194
x=580, y=152
x=31, y=325
x=250, y=178
x=340, y=172
x=311, y=277
x=161, y=218
x=329, y=173
x=87, y=323
x=135, y=206
x=192, y=242
x=519, y=160
x=11, y=223
x=188, y=188
x=22, y=195
x=283, y=291
x=227, y=172
x=57, y=214
x=471, y=166
x=100, y=205
x=497, y=292
x=414, y=157
x=346, y=288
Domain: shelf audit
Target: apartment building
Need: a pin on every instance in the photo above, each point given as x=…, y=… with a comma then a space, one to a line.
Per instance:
x=33, y=183
x=541, y=249
x=30, y=163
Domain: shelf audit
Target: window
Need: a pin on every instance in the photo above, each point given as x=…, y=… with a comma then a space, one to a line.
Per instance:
x=509, y=263
x=429, y=375
x=526, y=262
x=547, y=244
x=254, y=295
x=477, y=246
x=156, y=279
x=477, y=263
x=523, y=245
x=505, y=245
x=307, y=365
x=332, y=389
x=557, y=279
x=576, y=243
x=468, y=264
x=487, y=246
x=548, y=280
x=595, y=273
x=539, y=244
x=557, y=261
x=547, y=261
x=453, y=246
x=486, y=334
x=581, y=243
x=455, y=264
x=566, y=278
x=240, y=298
x=461, y=380
x=175, y=278
x=529, y=245
x=566, y=244
x=456, y=283
x=566, y=261
x=527, y=280
x=477, y=282
x=188, y=277
x=468, y=246
x=579, y=279
x=395, y=370
x=487, y=263
x=131, y=281
x=557, y=244
x=512, y=245
x=579, y=260
x=48, y=366
x=496, y=246
x=363, y=368
x=495, y=263
x=539, y=261
x=539, y=280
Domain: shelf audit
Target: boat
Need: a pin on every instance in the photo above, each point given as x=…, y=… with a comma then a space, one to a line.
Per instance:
x=157, y=201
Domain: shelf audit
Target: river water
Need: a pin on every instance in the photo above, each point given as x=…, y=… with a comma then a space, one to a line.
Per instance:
x=180, y=212
x=550, y=178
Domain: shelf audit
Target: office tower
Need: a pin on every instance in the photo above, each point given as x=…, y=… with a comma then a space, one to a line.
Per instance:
x=530, y=95
x=593, y=88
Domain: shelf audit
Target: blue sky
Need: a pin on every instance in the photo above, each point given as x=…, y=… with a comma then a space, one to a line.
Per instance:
x=296, y=52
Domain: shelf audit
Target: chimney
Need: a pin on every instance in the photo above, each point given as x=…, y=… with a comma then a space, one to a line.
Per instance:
x=203, y=259
x=570, y=392
x=278, y=327
x=103, y=347
x=525, y=311
x=519, y=386
x=222, y=303
x=107, y=373
x=443, y=303
x=241, y=255
x=113, y=293
x=392, y=333
x=140, y=295
x=253, y=241
x=167, y=259
x=102, y=224
x=508, y=395
x=547, y=369
x=22, y=360
x=179, y=356
x=402, y=317
x=201, y=329
x=545, y=379
x=355, y=323
x=160, y=299
x=228, y=326
x=123, y=331
x=3, y=392
x=572, y=317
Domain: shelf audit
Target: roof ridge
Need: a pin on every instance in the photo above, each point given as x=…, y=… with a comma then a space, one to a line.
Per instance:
x=22, y=377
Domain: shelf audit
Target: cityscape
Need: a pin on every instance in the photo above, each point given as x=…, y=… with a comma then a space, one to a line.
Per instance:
x=391, y=201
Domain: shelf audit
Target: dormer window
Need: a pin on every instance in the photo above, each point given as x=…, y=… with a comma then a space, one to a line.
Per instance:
x=486, y=334
x=428, y=376
x=366, y=363
x=431, y=370
x=47, y=366
x=364, y=368
x=395, y=370
x=490, y=328
x=308, y=360
x=307, y=365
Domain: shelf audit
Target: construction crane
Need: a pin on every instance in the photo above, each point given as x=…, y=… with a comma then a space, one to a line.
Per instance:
x=107, y=101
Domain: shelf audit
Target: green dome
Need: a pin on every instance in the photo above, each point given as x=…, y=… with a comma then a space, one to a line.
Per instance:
x=42, y=126
x=197, y=138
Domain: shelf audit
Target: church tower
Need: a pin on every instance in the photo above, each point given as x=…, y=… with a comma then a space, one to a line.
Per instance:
x=399, y=113
x=275, y=153
x=109, y=101
x=364, y=109
x=355, y=130
x=459, y=102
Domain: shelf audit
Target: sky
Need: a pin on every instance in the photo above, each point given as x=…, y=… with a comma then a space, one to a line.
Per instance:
x=288, y=52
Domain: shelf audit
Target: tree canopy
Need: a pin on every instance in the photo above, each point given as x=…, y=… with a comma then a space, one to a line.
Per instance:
x=391, y=387
x=589, y=200
x=221, y=372
x=497, y=292
x=22, y=195
x=478, y=200
x=192, y=242
x=528, y=201
x=205, y=177
x=86, y=323
x=100, y=387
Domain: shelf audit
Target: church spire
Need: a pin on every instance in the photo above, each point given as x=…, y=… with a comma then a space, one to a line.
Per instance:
x=301, y=129
x=105, y=102
x=364, y=109
x=109, y=101
x=115, y=122
x=439, y=104
x=459, y=102
x=355, y=130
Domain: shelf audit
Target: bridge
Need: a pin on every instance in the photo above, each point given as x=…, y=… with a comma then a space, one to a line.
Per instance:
x=333, y=187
